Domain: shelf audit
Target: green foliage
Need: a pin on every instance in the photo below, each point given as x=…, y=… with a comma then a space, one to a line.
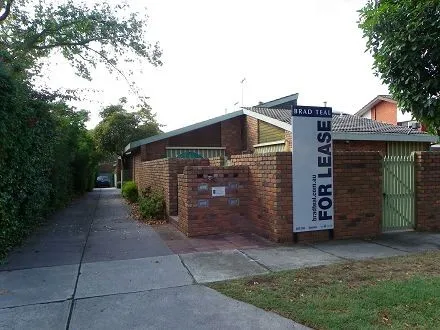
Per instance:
x=152, y=206
x=84, y=34
x=46, y=154
x=130, y=191
x=402, y=36
x=120, y=127
x=46, y=157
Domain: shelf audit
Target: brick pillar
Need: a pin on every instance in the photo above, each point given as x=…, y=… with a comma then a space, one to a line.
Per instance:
x=357, y=181
x=251, y=133
x=427, y=186
x=231, y=136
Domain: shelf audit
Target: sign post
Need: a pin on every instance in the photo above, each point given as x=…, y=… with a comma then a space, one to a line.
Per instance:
x=312, y=165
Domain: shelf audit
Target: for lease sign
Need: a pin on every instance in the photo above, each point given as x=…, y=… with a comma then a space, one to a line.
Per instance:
x=312, y=168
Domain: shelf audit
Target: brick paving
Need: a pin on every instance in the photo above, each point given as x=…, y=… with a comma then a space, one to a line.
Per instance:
x=179, y=243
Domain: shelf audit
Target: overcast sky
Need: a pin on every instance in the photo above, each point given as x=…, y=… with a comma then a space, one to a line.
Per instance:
x=281, y=47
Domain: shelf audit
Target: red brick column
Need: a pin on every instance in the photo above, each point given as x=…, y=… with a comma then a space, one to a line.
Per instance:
x=184, y=202
x=231, y=136
x=251, y=126
x=357, y=179
x=427, y=185
x=270, y=193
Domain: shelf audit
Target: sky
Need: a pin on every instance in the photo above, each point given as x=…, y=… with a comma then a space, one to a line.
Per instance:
x=281, y=47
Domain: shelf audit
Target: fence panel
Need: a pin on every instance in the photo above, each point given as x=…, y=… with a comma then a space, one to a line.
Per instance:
x=398, y=193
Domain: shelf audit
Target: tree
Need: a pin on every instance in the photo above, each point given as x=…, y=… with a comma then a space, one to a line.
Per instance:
x=403, y=37
x=120, y=127
x=47, y=156
x=84, y=35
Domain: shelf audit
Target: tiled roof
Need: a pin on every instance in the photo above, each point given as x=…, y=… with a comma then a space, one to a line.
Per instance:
x=343, y=122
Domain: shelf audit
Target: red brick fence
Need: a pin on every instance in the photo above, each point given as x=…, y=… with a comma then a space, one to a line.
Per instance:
x=258, y=194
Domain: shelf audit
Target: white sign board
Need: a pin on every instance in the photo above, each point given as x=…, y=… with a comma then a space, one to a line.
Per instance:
x=312, y=165
x=218, y=191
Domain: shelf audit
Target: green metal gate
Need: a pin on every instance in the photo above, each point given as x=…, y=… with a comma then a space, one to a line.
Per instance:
x=398, y=193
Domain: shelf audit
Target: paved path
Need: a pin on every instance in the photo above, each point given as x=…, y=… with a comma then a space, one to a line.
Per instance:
x=92, y=267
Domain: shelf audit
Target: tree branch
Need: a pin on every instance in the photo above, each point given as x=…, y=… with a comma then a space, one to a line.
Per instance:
x=67, y=44
x=7, y=9
x=113, y=66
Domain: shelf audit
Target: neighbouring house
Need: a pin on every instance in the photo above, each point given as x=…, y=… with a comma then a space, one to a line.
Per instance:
x=248, y=153
x=384, y=108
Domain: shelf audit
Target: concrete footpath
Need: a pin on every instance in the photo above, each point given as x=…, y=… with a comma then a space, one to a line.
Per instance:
x=92, y=267
x=215, y=266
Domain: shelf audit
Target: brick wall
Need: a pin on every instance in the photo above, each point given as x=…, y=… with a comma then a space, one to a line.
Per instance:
x=358, y=179
x=357, y=195
x=251, y=128
x=202, y=214
x=154, y=175
x=427, y=184
x=385, y=112
x=161, y=175
x=216, y=161
x=270, y=197
x=356, y=146
x=143, y=151
x=156, y=150
x=209, y=136
x=265, y=193
x=231, y=135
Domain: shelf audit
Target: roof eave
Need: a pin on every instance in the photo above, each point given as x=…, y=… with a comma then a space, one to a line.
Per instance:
x=338, y=135
x=281, y=100
x=372, y=103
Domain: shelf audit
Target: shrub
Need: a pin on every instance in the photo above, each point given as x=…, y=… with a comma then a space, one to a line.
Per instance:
x=118, y=184
x=152, y=206
x=130, y=191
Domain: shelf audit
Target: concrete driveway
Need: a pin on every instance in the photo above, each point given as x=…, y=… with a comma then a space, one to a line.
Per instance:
x=92, y=267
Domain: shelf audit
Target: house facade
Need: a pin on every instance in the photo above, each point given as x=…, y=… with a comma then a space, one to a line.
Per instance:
x=248, y=153
x=383, y=108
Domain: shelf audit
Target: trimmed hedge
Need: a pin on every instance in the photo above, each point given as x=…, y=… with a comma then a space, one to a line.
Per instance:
x=47, y=156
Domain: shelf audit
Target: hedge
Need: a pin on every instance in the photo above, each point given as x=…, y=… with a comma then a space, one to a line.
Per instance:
x=46, y=157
